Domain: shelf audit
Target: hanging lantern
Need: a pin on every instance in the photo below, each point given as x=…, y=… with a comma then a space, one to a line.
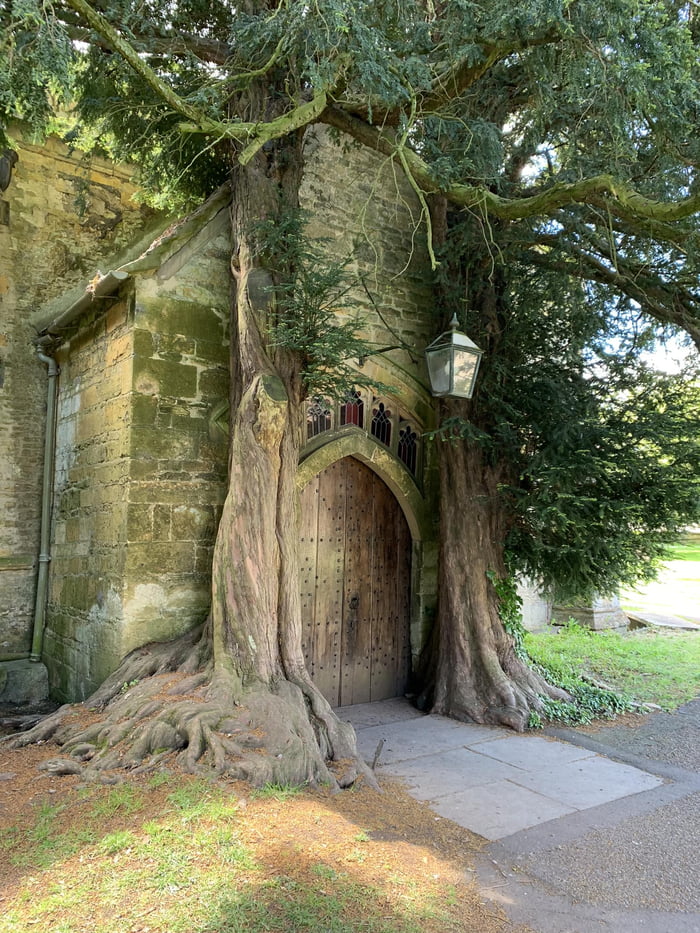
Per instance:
x=453, y=362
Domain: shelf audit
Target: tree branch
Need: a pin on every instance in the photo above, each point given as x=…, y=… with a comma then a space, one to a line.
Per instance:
x=661, y=300
x=287, y=123
x=104, y=28
x=206, y=50
x=459, y=76
x=615, y=194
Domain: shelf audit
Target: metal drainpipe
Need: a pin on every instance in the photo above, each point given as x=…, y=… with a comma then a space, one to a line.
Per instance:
x=46, y=491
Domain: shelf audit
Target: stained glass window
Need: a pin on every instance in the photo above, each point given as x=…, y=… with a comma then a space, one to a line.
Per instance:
x=381, y=423
x=352, y=411
x=318, y=417
x=408, y=446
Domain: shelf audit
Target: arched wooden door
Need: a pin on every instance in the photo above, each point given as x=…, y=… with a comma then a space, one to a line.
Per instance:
x=355, y=585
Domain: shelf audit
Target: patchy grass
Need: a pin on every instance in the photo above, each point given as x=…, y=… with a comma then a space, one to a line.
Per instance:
x=649, y=665
x=687, y=549
x=173, y=854
x=277, y=791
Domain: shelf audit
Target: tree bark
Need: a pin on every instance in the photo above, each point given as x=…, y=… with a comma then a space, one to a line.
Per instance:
x=478, y=675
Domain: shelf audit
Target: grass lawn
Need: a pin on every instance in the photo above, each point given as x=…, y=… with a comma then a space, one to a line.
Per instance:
x=649, y=665
x=174, y=854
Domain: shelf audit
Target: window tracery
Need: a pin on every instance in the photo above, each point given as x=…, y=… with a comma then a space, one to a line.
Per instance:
x=387, y=425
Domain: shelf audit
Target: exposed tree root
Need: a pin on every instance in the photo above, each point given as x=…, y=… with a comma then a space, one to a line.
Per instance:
x=167, y=702
x=506, y=693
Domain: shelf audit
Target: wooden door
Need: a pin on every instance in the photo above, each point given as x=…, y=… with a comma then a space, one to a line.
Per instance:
x=355, y=585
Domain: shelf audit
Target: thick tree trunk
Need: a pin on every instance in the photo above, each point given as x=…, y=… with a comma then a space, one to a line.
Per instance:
x=478, y=675
x=256, y=610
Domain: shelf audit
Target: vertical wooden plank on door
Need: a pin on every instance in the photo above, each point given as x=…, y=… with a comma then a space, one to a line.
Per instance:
x=404, y=561
x=330, y=571
x=308, y=546
x=360, y=534
x=384, y=617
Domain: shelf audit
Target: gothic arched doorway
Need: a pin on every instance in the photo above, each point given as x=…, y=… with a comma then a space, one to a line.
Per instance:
x=355, y=585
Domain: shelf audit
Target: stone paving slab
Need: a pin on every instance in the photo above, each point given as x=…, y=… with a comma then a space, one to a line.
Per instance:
x=489, y=779
x=363, y=715
x=589, y=782
x=416, y=737
x=450, y=772
x=531, y=753
x=499, y=809
x=662, y=620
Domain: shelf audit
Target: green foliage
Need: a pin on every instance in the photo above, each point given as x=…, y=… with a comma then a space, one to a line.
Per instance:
x=35, y=65
x=510, y=611
x=588, y=702
x=310, y=292
x=598, y=454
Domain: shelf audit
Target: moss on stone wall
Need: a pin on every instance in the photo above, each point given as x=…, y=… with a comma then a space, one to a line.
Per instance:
x=64, y=214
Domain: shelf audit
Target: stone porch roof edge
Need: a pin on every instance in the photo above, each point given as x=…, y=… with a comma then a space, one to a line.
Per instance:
x=159, y=244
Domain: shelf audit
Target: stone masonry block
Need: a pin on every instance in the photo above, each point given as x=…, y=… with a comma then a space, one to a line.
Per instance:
x=213, y=383
x=116, y=316
x=173, y=346
x=192, y=524
x=139, y=522
x=184, y=317
x=23, y=683
x=153, y=560
x=118, y=348
x=161, y=443
x=163, y=377
x=162, y=523
x=144, y=409
x=143, y=342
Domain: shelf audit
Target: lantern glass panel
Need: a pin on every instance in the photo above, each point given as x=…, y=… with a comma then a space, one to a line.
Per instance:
x=440, y=369
x=466, y=364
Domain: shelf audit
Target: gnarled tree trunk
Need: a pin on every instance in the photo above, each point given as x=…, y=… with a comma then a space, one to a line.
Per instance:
x=478, y=675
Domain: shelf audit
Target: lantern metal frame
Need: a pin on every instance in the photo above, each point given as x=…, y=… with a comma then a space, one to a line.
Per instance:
x=453, y=363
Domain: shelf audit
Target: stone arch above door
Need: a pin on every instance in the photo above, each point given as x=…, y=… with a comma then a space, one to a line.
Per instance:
x=357, y=444
x=356, y=555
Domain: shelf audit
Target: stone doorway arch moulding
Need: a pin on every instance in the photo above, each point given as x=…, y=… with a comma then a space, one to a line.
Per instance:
x=417, y=510
x=358, y=444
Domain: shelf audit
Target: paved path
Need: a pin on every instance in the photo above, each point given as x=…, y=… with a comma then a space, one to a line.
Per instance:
x=588, y=832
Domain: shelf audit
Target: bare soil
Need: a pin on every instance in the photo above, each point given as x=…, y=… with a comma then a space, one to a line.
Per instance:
x=403, y=841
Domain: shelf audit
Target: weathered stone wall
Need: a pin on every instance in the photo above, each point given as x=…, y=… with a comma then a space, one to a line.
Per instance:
x=140, y=469
x=365, y=211
x=60, y=215
x=178, y=452
x=84, y=614
x=141, y=451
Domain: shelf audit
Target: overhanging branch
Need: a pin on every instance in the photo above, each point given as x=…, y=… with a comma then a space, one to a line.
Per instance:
x=615, y=193
x=659, y=299
x=105, y=29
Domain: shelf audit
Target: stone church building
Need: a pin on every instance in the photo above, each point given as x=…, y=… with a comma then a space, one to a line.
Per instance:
x=113, y=426
x=129, y=315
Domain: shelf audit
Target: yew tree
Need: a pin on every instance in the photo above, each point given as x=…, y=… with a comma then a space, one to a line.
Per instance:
x=553, y=148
